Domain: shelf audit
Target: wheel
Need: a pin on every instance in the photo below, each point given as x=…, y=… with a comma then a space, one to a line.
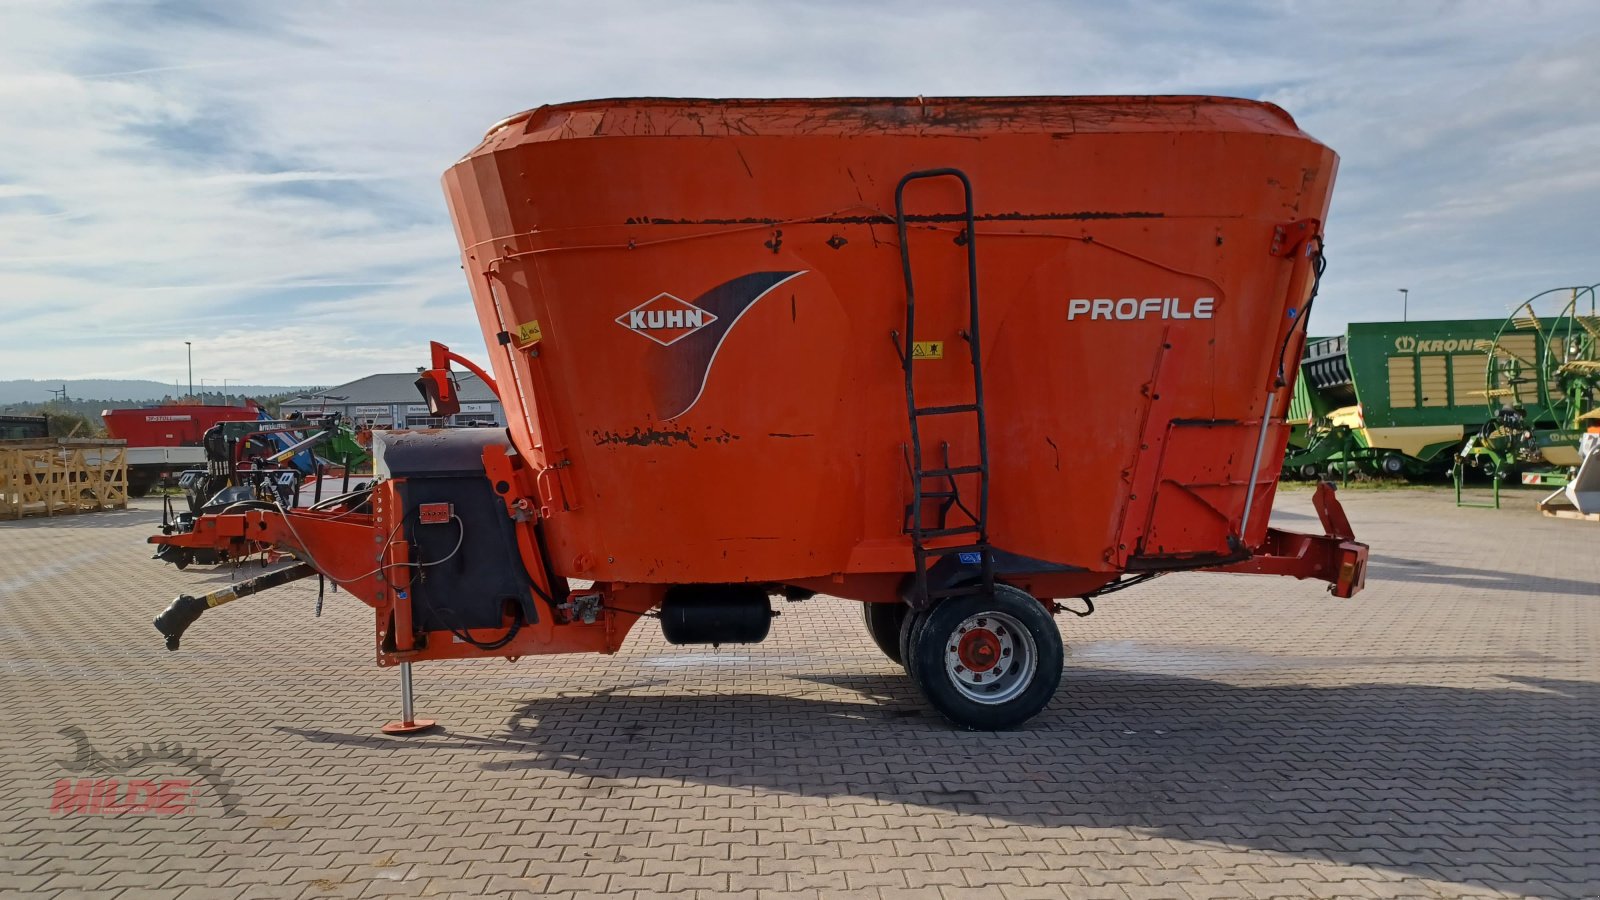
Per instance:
x=178, y=556
x=883, y=623
x=986, y=663
x=1308, y=471
x=1392, y=464
x=909, y=626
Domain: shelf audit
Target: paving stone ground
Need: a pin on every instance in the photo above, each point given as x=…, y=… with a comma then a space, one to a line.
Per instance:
x=1214, y=736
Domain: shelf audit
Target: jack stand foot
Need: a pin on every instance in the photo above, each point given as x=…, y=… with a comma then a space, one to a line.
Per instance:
x=409, y=728
x=407, y=724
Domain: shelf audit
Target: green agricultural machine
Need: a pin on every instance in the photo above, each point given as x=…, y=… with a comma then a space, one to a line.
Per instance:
x=1390, y=398
x=1541, y=382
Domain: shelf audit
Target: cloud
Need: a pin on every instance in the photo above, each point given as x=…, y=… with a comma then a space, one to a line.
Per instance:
x=262, y=178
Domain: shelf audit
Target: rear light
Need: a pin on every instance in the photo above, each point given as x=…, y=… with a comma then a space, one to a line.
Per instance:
x=1352, y=570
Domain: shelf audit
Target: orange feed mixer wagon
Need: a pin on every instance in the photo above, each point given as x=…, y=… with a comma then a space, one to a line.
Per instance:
x=959, y=359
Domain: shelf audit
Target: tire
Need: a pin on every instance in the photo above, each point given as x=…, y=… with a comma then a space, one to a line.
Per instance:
x=986, y=663
x=1308, y=472
x=884, y=621
x=1392, y=465
x=909, y=626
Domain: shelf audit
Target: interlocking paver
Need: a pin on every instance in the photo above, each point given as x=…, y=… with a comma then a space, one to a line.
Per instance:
x=1214, y=736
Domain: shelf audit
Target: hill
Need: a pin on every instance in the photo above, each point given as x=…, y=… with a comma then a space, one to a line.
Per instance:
x=24, y=390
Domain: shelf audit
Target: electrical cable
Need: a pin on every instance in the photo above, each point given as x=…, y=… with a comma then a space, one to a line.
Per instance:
x=360, y=503
x=1123, y=584
x=549, y=600
x=330, y=502
x=1319, y=264
x=461, y=632
x=460, y=539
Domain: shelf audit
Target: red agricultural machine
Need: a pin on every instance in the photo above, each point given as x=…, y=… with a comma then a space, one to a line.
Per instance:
x=163, y=440
x=759, y=348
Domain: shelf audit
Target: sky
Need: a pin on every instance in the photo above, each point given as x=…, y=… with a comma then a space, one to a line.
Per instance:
x=263, y=178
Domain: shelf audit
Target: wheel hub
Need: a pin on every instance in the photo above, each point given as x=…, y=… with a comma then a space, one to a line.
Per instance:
x=990, y=657
x=979, y=650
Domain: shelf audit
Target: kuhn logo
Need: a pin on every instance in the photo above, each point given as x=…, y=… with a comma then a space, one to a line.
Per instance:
x=693, y=333
x=665, y=319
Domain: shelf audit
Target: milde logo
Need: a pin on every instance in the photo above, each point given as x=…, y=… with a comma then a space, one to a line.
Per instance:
x=110, y=796
x=665, y=319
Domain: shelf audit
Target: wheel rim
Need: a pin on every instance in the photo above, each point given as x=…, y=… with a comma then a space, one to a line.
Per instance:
x=990, y=658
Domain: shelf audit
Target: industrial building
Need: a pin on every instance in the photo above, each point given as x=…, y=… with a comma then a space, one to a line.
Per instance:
x=392, y=401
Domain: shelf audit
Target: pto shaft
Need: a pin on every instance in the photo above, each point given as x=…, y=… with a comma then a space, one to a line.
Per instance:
x=185, y=610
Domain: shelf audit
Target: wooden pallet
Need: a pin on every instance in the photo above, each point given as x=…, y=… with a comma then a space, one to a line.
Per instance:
x=1567, y=512
x=55, y=477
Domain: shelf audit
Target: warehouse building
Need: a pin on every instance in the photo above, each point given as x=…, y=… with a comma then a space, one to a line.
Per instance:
x=392, y=401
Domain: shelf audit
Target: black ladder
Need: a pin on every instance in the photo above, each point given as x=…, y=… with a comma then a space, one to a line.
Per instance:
x=977, y=533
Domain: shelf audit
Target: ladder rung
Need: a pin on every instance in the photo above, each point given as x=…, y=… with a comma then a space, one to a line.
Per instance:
x=946, y=410
x=958, y=548
x=946, y=532
x=953, y=470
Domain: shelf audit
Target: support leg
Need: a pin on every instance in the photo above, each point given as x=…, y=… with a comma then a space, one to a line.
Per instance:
x=407, y=725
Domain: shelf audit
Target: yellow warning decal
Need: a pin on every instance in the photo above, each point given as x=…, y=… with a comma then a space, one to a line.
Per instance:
x=927, y=349
x=529, y=333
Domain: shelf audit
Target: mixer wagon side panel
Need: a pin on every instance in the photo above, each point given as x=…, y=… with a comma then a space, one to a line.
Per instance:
x=732, y=443
x=477, y=224
x=698, y=329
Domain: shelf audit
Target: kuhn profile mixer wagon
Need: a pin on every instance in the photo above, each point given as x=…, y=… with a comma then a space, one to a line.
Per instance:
x=957, y=359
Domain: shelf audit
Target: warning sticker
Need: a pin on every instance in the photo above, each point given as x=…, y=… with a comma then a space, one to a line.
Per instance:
x=529, y=333
x=927, y=349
